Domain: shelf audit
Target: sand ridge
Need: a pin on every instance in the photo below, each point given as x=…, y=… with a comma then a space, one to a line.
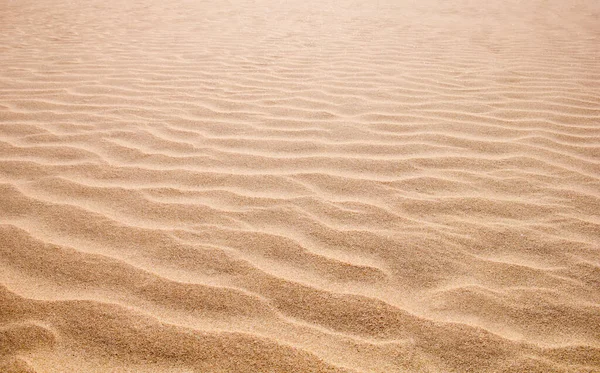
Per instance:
x=269, y=186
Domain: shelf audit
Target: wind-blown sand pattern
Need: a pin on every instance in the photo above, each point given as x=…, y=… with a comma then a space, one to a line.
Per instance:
x=299, y=186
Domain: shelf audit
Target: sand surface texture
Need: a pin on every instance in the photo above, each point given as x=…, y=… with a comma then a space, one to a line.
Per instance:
x=299, y=186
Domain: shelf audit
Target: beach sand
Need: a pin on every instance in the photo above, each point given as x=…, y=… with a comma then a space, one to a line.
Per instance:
x=299, y=186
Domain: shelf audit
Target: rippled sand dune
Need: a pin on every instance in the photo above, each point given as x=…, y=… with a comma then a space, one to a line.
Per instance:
x=299, y=186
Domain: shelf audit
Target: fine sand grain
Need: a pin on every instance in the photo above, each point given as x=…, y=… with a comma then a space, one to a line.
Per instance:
x=299, y=186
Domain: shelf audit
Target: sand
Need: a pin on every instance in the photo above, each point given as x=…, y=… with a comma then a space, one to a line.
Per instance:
x=299, y=186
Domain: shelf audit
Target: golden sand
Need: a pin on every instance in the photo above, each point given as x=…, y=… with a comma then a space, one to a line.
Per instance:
x=299, y=186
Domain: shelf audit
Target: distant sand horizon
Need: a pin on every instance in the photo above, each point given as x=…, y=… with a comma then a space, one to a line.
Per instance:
x=299, y=186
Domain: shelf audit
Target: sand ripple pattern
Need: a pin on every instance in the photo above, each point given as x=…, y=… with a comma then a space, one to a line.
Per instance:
x=299, y=186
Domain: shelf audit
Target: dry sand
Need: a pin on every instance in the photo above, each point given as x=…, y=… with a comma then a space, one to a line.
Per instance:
x=299, y=186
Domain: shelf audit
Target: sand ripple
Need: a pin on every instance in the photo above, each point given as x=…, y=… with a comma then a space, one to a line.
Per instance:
x=269, y=186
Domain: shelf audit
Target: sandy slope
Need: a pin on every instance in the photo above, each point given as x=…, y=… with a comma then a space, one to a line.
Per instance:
x=299, y=186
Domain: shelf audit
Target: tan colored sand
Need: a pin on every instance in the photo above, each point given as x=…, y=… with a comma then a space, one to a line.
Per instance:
x=299, y=186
